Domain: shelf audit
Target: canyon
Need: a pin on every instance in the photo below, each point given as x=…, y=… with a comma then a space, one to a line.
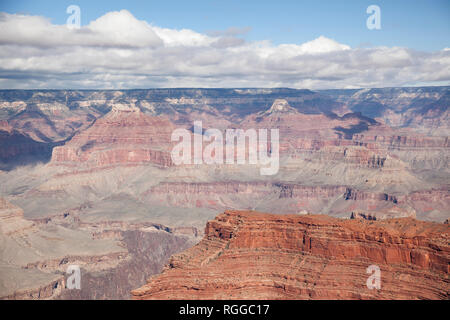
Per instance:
x=87, y=178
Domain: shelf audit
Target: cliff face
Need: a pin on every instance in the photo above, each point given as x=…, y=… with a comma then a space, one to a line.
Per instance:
x=18, y=148
x=123, y=136
x=250, y=255
x=294, y=198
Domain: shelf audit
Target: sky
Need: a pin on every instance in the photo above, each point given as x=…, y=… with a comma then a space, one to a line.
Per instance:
x=209, y=43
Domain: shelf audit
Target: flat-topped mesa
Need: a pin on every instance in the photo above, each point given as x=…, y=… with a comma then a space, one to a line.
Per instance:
x=280, y=105
x=251, y=255
x=124, y=136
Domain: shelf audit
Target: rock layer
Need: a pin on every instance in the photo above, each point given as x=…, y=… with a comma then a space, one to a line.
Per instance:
x=250, y=255
x=123, y=136
x=11, y=218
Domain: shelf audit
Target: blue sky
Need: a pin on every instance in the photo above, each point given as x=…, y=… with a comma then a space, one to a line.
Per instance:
x=229, y=43
x=419, y=24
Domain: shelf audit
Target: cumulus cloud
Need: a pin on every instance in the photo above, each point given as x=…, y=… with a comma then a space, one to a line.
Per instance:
x=106, y=31
x=119, y=51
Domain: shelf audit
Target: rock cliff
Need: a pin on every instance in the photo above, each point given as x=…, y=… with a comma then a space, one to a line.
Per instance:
x=123, y=136
x=251, y=255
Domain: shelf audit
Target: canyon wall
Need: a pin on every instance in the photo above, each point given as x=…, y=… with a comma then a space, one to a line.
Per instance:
x=251, y=255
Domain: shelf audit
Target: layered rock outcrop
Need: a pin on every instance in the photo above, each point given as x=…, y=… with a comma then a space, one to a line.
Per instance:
x=123, y=136
x=337, y=200
x=251, y=255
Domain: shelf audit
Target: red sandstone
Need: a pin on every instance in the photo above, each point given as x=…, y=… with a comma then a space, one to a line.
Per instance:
x=250, y=255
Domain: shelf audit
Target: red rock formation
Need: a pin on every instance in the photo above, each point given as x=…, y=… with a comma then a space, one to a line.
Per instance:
x=351, y=139
x=123, y=136
x=250, y=255
x=299, y=131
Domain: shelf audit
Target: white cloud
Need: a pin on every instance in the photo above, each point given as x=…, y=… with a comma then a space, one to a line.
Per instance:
x=119, y=51
x=184, y=37
x=322, y=45
x=114, y=29
x=123, y=29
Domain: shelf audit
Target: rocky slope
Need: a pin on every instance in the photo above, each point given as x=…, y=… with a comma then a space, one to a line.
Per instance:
x=250, y=255
x=11, y=219
x=113, y=257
